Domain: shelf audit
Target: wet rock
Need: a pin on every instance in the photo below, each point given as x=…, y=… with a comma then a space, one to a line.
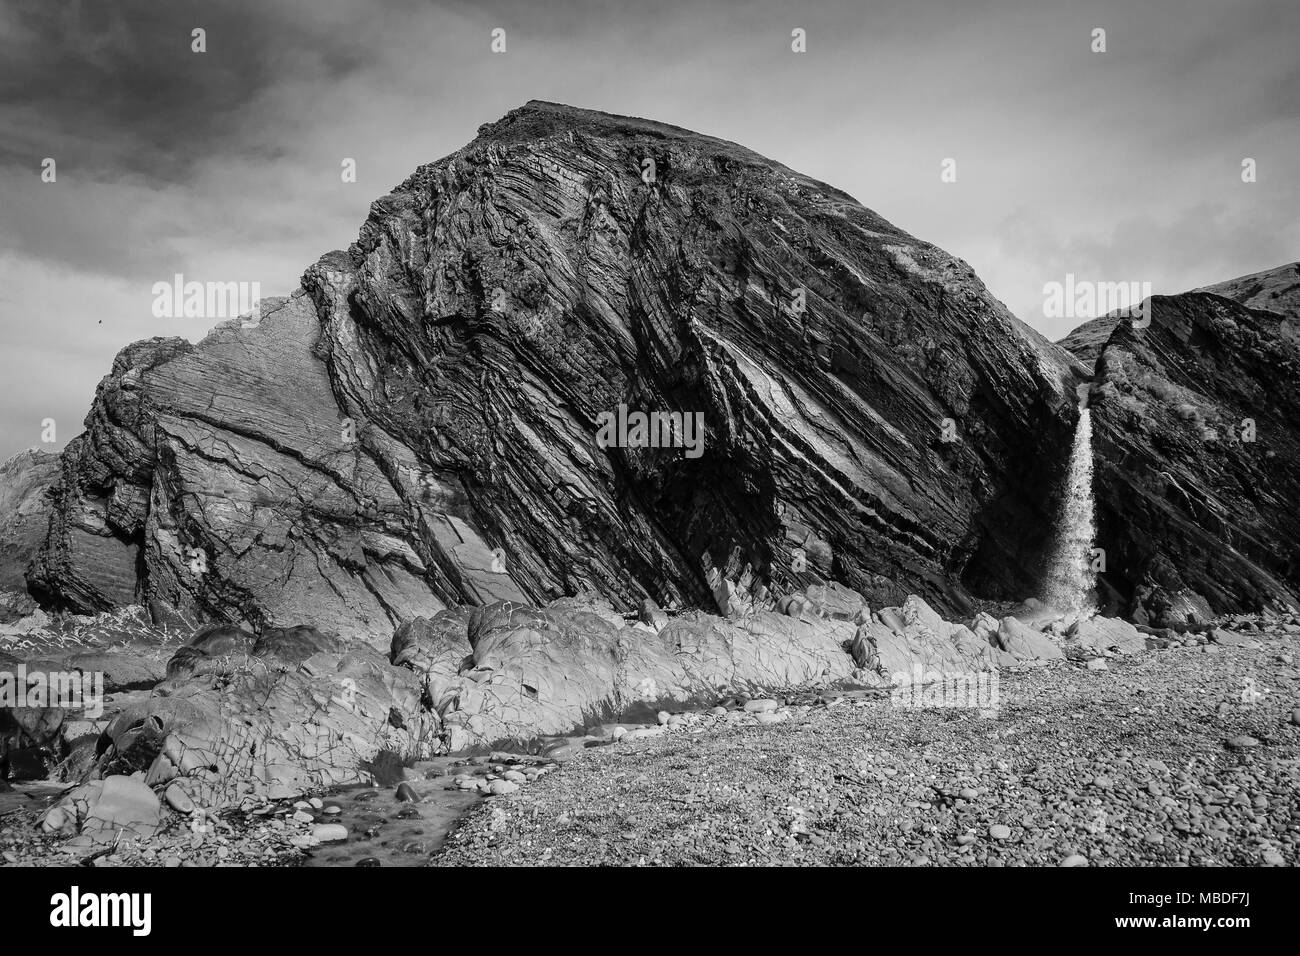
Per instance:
x=406, y=793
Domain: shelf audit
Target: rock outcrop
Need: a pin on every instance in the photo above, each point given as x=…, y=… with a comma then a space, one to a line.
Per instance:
x=212, y=482
x=1197, y=449
x=238, y=723
x=239, y=719
x=446, y=414
x=25, y=510
x=417, y=426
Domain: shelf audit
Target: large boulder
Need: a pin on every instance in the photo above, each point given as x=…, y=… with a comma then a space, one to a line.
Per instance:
x=1100, y=634
x=1024, y=643
x=914, y=644
x=107, y=811
x=1177, y=610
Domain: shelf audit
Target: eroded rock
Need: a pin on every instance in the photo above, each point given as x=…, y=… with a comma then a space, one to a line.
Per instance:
x=416, y=427
x=1106, y=634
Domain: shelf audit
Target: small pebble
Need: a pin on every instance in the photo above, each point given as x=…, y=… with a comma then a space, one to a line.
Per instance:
x=329, y=832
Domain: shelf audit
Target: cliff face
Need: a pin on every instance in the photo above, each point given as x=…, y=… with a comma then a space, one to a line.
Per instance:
x=416, y=426
x=25, y=511
x=1197, y=448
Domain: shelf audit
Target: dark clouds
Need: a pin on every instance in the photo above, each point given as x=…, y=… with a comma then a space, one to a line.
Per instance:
x=225, y=165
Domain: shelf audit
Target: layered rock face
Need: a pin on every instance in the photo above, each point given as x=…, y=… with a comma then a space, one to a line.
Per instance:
x=213, y=481
x=25, y=510
x=1196, y=443
x=417, y=426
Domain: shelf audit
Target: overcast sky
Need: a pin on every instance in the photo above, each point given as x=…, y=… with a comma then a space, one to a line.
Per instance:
x=225, y=165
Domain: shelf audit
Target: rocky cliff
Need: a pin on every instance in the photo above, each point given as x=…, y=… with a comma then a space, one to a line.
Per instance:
x=25, y=508
x=416, y=426
x=1197, y=450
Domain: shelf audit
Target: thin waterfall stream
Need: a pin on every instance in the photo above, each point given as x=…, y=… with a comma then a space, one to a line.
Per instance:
x=1071, y=580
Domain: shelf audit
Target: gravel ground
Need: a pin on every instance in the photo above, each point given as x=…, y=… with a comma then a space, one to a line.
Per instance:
x=274, y=838
x=1169, y=757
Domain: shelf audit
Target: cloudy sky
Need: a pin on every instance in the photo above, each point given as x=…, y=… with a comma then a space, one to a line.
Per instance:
x=225, y=165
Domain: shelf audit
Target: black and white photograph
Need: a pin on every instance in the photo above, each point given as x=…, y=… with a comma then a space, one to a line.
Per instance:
x=651, y=435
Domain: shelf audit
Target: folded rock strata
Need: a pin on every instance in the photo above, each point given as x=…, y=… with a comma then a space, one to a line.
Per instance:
x=416, y=427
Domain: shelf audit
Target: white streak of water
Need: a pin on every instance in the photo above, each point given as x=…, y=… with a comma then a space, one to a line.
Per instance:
x=1071, y=581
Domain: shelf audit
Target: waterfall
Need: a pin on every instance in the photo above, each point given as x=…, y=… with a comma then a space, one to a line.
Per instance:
x=1071, y=580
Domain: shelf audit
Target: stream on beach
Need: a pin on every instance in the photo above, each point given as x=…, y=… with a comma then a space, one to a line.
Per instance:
x=385, y=830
